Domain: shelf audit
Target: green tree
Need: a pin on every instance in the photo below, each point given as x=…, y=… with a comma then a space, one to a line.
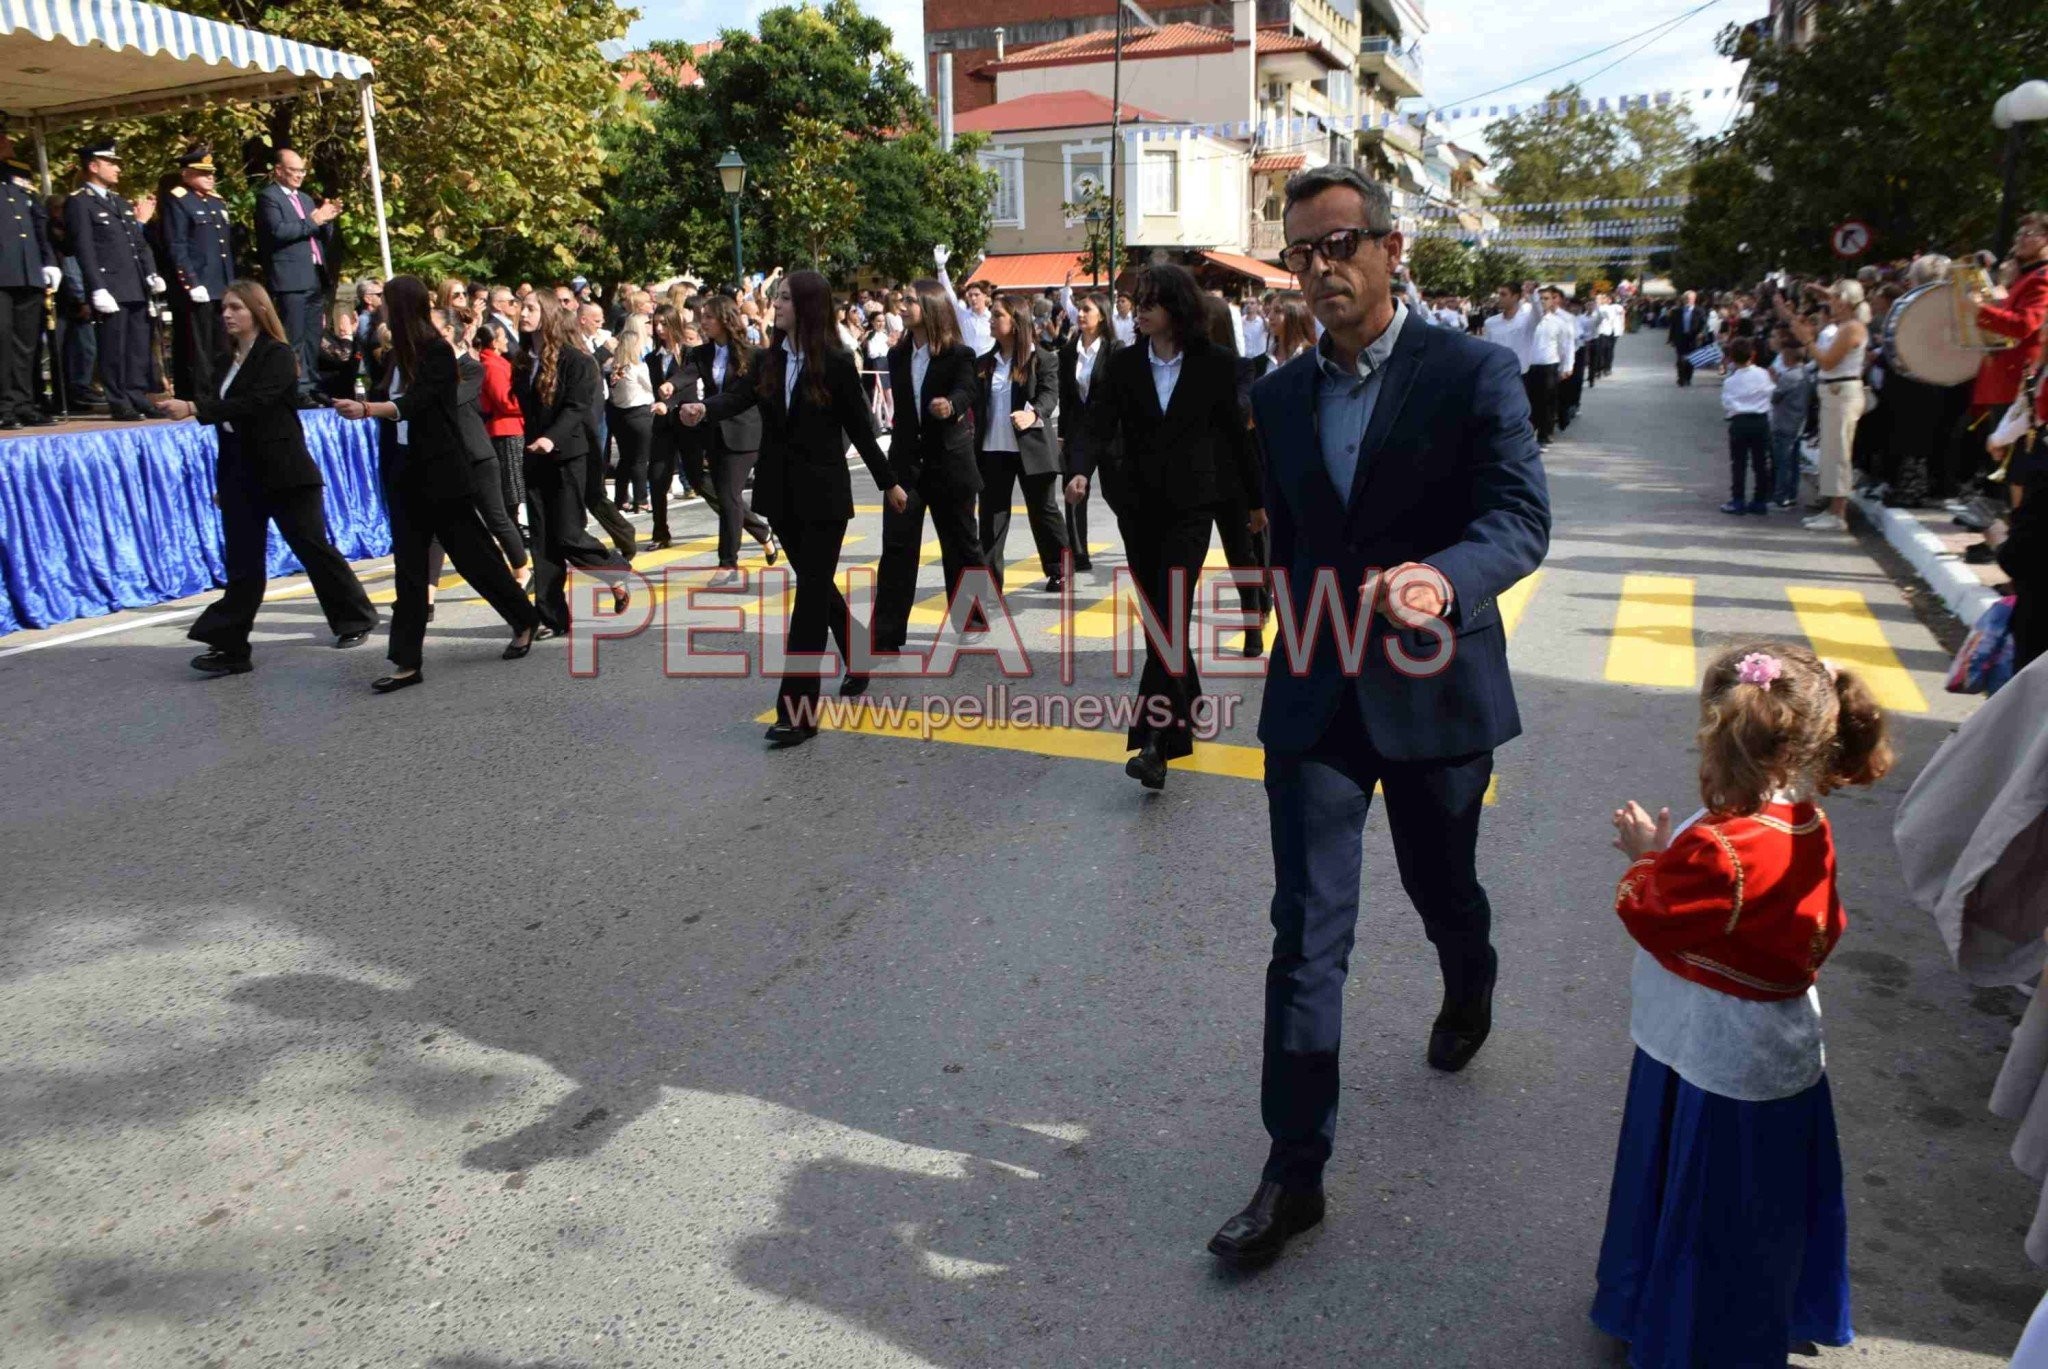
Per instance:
x=1719, y=241
x=817, y=203
x=833, y=66
x=471, y=180
x=1493, y=267
x=1440, y=265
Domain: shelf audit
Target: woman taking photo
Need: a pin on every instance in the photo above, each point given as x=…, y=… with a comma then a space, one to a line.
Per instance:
x=933, y=376
x=1184, y=457
x=1838, y=350
x=1019, y=385
x=723, y=361
x=264, y=475
x=629, y=412
x=557, y=384
x=808, y=391
x=1084, y=361
x=426, y=464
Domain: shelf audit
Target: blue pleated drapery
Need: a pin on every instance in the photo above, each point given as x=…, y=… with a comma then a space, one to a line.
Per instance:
x=122, y=518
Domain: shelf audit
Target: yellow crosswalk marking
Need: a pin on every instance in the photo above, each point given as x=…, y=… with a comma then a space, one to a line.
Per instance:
x=1653, y=638
x=931, y=611
x=1841, y=627
x=1515, y=599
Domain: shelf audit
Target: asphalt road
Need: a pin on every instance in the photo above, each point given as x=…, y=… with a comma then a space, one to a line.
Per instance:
x=528, y=1020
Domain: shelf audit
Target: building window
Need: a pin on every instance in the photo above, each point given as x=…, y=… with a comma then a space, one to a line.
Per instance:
x=1006, y=205
x=1085, y=165
x=1159, y=182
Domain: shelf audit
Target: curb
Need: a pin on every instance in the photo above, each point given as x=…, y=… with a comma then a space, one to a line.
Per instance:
x=1965, y=595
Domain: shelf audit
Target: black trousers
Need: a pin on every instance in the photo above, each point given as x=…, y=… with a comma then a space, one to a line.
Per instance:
x=124, y=358
x=661, y=473
x=197, y=337
x=302, y=312
x=1571, y=390
x=634, y=429
x=1157, y=542
x=1540, y=382
x=1076, y=515
x=1245, y=550
x=952, y=514
x=726, y=487
x=1606, y=352
x=418, y=521
x=246, y=511
x=488, y=483
x=1685, y=366
x=597, y=500
x=820, y=609
x=1001, y=473
x=511, y=473
x=1749, y=452
x=1316, y=804
x=557, y=538
x=21, y=324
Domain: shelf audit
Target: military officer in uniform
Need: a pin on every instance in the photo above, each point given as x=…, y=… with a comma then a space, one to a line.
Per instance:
x=113, y=257
x=28, y=272
x=195, y=236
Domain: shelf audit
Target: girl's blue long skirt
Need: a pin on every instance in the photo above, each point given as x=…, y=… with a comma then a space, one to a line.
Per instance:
x=1727, y=1235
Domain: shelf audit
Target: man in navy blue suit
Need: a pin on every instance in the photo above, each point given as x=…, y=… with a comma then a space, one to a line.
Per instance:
x=295, y=239
x=1401, y=469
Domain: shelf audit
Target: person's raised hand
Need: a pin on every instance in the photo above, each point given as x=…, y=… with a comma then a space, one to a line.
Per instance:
x=1637, y=834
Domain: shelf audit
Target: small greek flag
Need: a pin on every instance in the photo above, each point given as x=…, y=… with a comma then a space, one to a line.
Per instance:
x=1709, y=355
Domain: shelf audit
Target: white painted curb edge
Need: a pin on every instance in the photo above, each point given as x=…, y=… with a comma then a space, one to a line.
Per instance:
x=1966, y=596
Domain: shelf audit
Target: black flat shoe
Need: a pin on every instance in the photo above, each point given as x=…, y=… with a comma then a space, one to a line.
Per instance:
x=1254, y=643
x=389, y=684
x=771, y=549
x=220, y=663
x=659, y=544
x=430, y=613
x=1462, y=1025
x=1148, y=767
x=37, y=420
x=1082, y=565
x=351, y=639
x=1052, y=584
x=853, y=685
x=1257, y=1235
x=784, y=735
x=516, y=650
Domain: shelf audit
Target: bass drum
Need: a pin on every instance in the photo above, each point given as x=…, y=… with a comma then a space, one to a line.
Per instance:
x=1921, y=339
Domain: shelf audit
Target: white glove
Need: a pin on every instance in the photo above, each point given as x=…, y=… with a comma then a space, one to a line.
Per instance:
x=940, y=256
x=103, y=300
x=156, y=285
x=199, y=295
x=52, y=278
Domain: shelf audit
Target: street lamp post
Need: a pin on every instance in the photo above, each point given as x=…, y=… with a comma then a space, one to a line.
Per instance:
x=1095, y=252
x=732, y=174
x=2026, y=103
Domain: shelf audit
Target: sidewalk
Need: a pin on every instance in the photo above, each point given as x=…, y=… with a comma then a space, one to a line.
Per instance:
x=1933, y=545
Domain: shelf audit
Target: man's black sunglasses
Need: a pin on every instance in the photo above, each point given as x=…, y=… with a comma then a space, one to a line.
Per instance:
x=1341, y=245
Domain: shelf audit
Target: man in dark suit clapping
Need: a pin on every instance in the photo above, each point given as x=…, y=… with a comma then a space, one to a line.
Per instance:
x=1400, y=459
x=1687, y=332
x=295, y=238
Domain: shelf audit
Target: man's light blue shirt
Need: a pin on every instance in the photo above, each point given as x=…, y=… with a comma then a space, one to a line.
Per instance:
x=1345, y=401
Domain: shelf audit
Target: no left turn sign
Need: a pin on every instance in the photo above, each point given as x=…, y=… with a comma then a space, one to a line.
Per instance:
x=1850, y=239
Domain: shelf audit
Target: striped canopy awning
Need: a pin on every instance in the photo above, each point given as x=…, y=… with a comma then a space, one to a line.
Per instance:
x=67, y=60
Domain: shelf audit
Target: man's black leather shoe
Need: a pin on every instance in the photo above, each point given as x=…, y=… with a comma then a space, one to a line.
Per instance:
x=1148, y=767
x=1275, y=1214
x=220, y=663
x=784, y=735
x=1462, y=1026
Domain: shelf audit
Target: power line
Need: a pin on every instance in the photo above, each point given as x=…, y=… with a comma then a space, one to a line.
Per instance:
x=1585, y=56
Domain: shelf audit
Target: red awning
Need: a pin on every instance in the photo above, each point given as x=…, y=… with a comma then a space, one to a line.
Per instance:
x=1031, y=270
x=1279, y=161
x=1265, y=273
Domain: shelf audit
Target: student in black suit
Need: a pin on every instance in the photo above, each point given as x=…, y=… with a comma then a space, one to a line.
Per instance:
x=807, y=387
x=1184, y=457
x=1243, y=548
x=557, y=383
x=457, y=326
x=264, y=475
x=1019, y=384
x=426, y=463
x=672, y=378
x=729, y=450
x=1687, y=332
x=295, y=239
x=931, y=449
x=1084, y=363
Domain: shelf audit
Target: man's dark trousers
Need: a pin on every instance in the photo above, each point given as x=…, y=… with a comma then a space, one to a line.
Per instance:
x=1317, y=803
x=302, y=312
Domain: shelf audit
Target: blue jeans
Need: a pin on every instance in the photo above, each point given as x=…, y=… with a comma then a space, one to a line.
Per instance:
x=1785, y=467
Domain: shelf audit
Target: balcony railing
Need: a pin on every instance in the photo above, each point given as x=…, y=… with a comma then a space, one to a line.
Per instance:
x=1266, y=235
x=1409, y=56
x=1398, y=68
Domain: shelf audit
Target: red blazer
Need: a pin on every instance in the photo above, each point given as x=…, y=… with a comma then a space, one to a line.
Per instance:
x=2019, y=316
x=499, y=404
x=1743, y=905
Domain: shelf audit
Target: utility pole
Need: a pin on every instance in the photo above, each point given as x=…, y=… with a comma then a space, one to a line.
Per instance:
x=1116, y=131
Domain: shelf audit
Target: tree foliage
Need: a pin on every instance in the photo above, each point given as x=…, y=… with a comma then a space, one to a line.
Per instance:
x=1441, y=266
x=813, y=75
x=1885, y=117
x=1493, y=267
x=488, y=118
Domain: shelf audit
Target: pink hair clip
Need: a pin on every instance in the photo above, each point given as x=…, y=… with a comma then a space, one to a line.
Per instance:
x=1758, y=668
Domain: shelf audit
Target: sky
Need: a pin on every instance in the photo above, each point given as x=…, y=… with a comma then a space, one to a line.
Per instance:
x=1462, y=53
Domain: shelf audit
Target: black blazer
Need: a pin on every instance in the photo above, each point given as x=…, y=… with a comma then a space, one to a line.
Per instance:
x=1688, y=339
x=268, y=446
x=740, y=433
x=285, y=238
x=802, y=470
x=920, y=445
x=1040, y=392
x=469, y=414
x=1078, y=441
x=568, y=421
x=435, y=459
x=1197, y=454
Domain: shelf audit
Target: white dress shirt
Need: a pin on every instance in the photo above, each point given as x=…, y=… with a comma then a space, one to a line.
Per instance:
x=721, y=362
x=1084, y=367
x=1517, y=334
x=920, y=365
x=1165, y=375
x=793, y=368
x=394, y=393
x=1126, y=329
x=1254, y=336
x=1747, y=390
x=1002, y=433
x=1553, y=342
